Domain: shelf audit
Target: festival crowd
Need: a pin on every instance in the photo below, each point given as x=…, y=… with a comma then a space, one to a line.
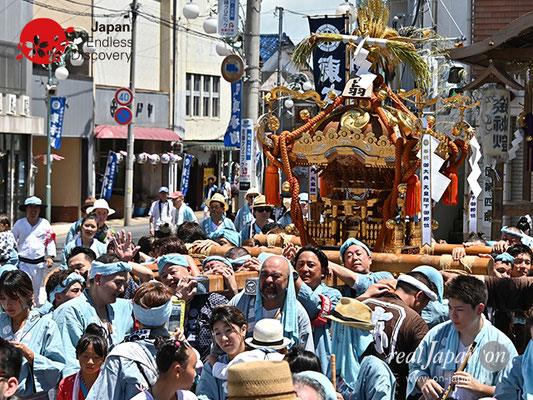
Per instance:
x=122, y=321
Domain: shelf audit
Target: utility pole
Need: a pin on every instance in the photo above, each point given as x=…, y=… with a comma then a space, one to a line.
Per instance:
x=279, y=10
x=128, y=190
x=252, y=78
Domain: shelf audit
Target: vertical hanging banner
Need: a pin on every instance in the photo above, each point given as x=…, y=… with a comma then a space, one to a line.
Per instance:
x=109, y=176
x=475, y=187
x=247, y=129
x=487, y=196
x=495, y=122
x=329, y=63
x=472, y=213
x=57, y=112
x=233, y=133
x=425, y=175
x=228, y=18
x=186, y=173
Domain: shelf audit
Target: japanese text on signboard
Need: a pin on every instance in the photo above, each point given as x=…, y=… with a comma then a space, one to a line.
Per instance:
x=228, y=18
x=495, y=121
x=425, y=174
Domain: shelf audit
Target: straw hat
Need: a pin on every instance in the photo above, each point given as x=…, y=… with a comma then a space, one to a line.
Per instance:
x=217, y=197
x=211, y=177
x=260, y=201
x=352, y=313
x=268, y=333
x=260, y=380
x=251, y=191
x=100, y=203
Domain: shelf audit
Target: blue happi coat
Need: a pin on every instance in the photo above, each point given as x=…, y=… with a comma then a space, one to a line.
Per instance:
x=41, y=335
x=437, y=353
x=75, y=315
x=312, y=303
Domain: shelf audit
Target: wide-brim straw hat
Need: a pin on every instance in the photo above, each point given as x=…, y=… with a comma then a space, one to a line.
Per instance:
x=268, y=333
x=219, y=198
x=260, y=380
x=352, y=313
x=251, y=191
x=100, y=203
x=211, y=177
x=260, y=201
x=32, y=200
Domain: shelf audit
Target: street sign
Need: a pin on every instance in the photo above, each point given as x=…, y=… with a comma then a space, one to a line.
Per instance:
x=124, y=96
x=228, y=18
x=232, y=68
x=123, y=116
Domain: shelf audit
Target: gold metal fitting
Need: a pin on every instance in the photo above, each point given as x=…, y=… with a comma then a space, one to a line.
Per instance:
x=304, y=114
x=434, y=224
x=431, y=120
x=390, y=224
x=332, y=95
x=402, y=188
x=286, y=186
x=290, y=228
x=383, y=94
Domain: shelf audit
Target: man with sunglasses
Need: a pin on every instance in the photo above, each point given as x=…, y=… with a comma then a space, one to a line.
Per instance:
x=261, y=211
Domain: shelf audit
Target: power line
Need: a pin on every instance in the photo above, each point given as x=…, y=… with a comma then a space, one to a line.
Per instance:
x=96, y=6
x=72, y=12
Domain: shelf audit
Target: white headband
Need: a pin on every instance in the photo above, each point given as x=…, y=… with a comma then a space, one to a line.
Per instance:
x=419, y=285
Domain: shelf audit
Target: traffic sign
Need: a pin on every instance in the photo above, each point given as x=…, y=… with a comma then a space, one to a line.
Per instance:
x=123, y=116
x=232, y=68
x=124, y=96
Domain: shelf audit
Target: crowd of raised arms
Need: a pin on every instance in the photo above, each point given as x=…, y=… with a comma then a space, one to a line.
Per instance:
x=119, y=321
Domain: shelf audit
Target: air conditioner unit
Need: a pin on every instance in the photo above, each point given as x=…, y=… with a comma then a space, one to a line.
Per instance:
x=24, y=105
x=11, y=105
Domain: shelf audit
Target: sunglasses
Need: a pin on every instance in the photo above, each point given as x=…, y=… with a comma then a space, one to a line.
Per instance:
x=263, y=209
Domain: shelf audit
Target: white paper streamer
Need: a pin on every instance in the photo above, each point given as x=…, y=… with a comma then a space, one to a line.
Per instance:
x=475, y=171
x=515, y=144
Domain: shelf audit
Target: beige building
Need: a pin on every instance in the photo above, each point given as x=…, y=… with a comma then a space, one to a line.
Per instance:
x=180, y=95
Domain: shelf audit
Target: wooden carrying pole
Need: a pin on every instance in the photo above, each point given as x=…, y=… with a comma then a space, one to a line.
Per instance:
x=438, y=249
x=264, y=239
x=394, y=263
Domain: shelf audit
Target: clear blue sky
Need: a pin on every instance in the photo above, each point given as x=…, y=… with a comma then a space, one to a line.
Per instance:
x=296, y=26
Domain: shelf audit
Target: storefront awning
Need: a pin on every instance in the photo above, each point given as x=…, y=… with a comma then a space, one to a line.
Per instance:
x=141, y=133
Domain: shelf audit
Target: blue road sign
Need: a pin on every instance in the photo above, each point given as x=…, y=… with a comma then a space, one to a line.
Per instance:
x=123, y=116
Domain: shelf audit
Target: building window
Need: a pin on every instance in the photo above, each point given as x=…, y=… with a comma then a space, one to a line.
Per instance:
x=202, y=96
x=12, y=71
x=206, y=95
x=215, y=97
x=188, y=85
x=196, y=95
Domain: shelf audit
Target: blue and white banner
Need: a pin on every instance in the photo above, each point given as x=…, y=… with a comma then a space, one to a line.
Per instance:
x=228, y=18
x=247, y=130
x=186, y=173
x=233, y=133
x=57, y=112
x=109, y=176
